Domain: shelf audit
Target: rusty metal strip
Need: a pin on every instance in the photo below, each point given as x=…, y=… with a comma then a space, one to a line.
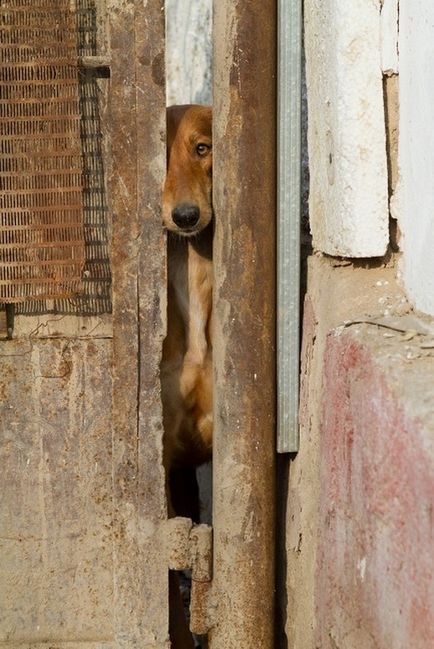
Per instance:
x=40, y=152
x=137, y=124
x=245, y=204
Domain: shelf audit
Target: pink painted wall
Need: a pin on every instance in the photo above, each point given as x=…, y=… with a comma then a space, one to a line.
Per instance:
x=375, y=564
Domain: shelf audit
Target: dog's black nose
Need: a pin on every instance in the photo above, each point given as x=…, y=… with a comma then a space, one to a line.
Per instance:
x=185, y=215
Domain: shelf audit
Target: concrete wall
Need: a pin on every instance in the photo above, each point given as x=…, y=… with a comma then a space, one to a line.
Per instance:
x=359, y=523
x=414, y=200
x=375, y=586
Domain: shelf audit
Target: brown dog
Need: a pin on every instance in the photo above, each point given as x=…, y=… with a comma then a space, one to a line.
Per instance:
x=187, y=352
x=186, y=368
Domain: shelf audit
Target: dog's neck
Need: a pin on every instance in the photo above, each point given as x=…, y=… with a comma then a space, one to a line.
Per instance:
x=201, y=243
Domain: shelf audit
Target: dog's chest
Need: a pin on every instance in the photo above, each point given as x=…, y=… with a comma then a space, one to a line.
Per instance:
x=190, y=276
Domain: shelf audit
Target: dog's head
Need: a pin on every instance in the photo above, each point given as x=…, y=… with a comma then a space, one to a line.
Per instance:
x=187, y=207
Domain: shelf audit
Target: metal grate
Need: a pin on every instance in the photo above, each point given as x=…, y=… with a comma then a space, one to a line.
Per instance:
x=41, y=175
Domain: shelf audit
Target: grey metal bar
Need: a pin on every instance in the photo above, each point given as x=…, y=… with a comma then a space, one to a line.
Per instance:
x=288, y=227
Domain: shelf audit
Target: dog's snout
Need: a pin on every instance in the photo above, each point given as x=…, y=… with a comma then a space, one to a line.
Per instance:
x=185, y=215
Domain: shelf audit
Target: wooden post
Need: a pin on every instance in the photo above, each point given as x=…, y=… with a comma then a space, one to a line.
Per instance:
x=244, y=202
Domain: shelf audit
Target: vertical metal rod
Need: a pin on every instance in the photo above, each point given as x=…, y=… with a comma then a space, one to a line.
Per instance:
x=288, y=237
x=244, y=310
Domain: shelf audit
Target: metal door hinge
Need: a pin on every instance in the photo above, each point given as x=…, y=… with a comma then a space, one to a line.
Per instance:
x=189, y=547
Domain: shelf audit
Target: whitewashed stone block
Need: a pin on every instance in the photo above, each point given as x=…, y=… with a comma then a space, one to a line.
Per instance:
x=347, y=144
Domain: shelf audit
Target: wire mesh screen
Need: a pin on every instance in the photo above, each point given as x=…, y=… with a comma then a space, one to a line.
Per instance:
x=93, y=294
x=41, y=209
x=95, y=297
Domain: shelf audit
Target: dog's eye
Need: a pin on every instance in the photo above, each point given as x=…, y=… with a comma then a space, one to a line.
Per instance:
x=202, y=149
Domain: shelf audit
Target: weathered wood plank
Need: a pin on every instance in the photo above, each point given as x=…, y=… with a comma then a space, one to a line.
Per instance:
x=137, y=128
x=56, y=567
